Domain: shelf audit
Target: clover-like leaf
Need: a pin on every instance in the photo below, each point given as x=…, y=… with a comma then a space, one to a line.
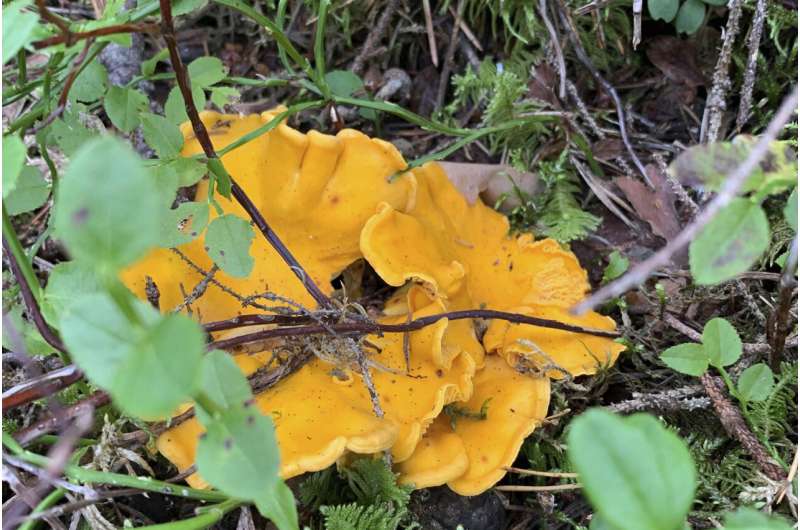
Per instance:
x=162, y=135
x=30, y=191
x=721, y=343
x=689, y=358
x=663, y=9
x=690, y=16
x=205, y=71
x=635, y=472
x=755, y=383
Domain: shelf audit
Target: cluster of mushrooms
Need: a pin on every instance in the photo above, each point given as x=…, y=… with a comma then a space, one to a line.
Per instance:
x=332, y=202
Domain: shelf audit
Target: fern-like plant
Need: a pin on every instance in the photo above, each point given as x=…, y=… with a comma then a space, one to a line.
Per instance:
x=355, y=516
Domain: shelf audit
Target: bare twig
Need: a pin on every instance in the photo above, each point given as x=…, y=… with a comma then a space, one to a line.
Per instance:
x=374, y=37
x=684, y=398
x=444, y=77
x=638, y=274
x=556, y=487
x=426, y=8
x=715, y=103
x=40, y=387
x=535, y=473
x=199, y=289
x=559, y=54
x=733, y=422
x=201, y=133
x=753, y=43
x=608, y=87
x=778, y=325
x=51, y=423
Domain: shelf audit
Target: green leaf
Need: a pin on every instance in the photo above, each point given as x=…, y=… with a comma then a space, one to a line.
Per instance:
x=123, y=106
x=175, y=108
x=224, y=95
x=162, y=135
x=343, y=83
x=721, y=343
x=150, y=369
x=68, y=281
x=223, y=381
x=716, y=2
x=755, y=383
x=730, y=243
x=183, y=7
x=18, y=27
x=279, y=507
x=68, y=133
x=91, y=84
x=149, y=66
x=635, y=472
x=228, y=239
x=205, y=71
x=18, y=332
x=107, y=206
x=690, y=16
x=710, y=164
x=30, y=192
x=689, y=358
x=617, y=265
x=184, y=224
x=662, y=9
x=239, y=453
x=14, y=154
x=750, y=519
x=790, y=210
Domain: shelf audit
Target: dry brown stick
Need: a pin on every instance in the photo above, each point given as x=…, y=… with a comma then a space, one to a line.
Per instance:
x=39, y=387
x=732, y=183
x=608, y=87
x=778, y=325
x=559, y=54
x=715, y=102
x=447, y=66
x=201, y=133
x=749, y=347
x=69, y=38
x=426, y=8
x=375, y=35
x=753, y=43
x=731, y=418
x=51, y=423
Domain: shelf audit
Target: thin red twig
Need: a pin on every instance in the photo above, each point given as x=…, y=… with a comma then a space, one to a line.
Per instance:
x=69, y=38
x=30, y=302
x=168, y=32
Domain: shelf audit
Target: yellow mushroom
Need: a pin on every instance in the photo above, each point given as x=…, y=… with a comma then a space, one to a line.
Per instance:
x=330, y=200
x=315, y=190
x=515, y=404
x=324, y=410
x=464, y=254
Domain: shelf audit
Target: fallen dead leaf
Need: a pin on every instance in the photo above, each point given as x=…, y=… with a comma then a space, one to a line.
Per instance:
x=676, y=58
x=491, y=182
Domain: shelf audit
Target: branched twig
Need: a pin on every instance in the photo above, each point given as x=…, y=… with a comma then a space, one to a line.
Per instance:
x=733, y=422
x=608, y=87
x=199, y=289
x=368, y=327
x=638, y=274
x=201, y=133
x=685, y=398
x=748, y=347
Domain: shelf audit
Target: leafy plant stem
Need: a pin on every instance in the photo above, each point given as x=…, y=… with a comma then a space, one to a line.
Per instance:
x=91, y=476
x=319, y=49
